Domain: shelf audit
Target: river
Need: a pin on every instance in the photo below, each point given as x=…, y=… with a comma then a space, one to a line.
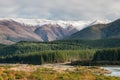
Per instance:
x=114, y=69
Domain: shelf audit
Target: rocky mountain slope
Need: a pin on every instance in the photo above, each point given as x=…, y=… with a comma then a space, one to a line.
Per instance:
x=99, y=31
x=12, y=31
x=49, y=32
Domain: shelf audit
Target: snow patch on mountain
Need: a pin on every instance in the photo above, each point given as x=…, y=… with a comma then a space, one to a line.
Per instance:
x=77, y=24
x=99, y=22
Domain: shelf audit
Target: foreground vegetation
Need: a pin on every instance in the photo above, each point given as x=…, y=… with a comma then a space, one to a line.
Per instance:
x=41, y=73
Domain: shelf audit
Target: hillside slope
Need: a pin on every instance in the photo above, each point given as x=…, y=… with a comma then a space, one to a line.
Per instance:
x=12, y=32
x=99, y=31
x=49, y=32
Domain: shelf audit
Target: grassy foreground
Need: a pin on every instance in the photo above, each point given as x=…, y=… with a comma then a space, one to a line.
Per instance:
x=42, y=73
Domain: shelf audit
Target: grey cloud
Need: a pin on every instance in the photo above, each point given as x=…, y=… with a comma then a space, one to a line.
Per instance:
x=61, y=9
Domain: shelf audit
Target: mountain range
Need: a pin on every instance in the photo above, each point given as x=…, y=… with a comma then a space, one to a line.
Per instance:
x=13, y=30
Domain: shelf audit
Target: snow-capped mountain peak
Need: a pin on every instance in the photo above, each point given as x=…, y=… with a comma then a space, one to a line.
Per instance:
x=99, y=22
x=77, y=24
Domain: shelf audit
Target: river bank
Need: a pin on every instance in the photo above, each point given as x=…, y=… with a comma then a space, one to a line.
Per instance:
x=59, y=67
x=53, y=72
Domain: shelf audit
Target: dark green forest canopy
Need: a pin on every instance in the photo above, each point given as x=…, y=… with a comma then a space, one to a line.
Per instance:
x=61, y=51
x=28, y=47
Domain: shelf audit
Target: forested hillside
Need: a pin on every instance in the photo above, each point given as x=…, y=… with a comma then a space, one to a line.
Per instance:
x=61, y=51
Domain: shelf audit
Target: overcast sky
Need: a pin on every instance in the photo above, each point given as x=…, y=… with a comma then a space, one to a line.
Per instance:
x=61, y=9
